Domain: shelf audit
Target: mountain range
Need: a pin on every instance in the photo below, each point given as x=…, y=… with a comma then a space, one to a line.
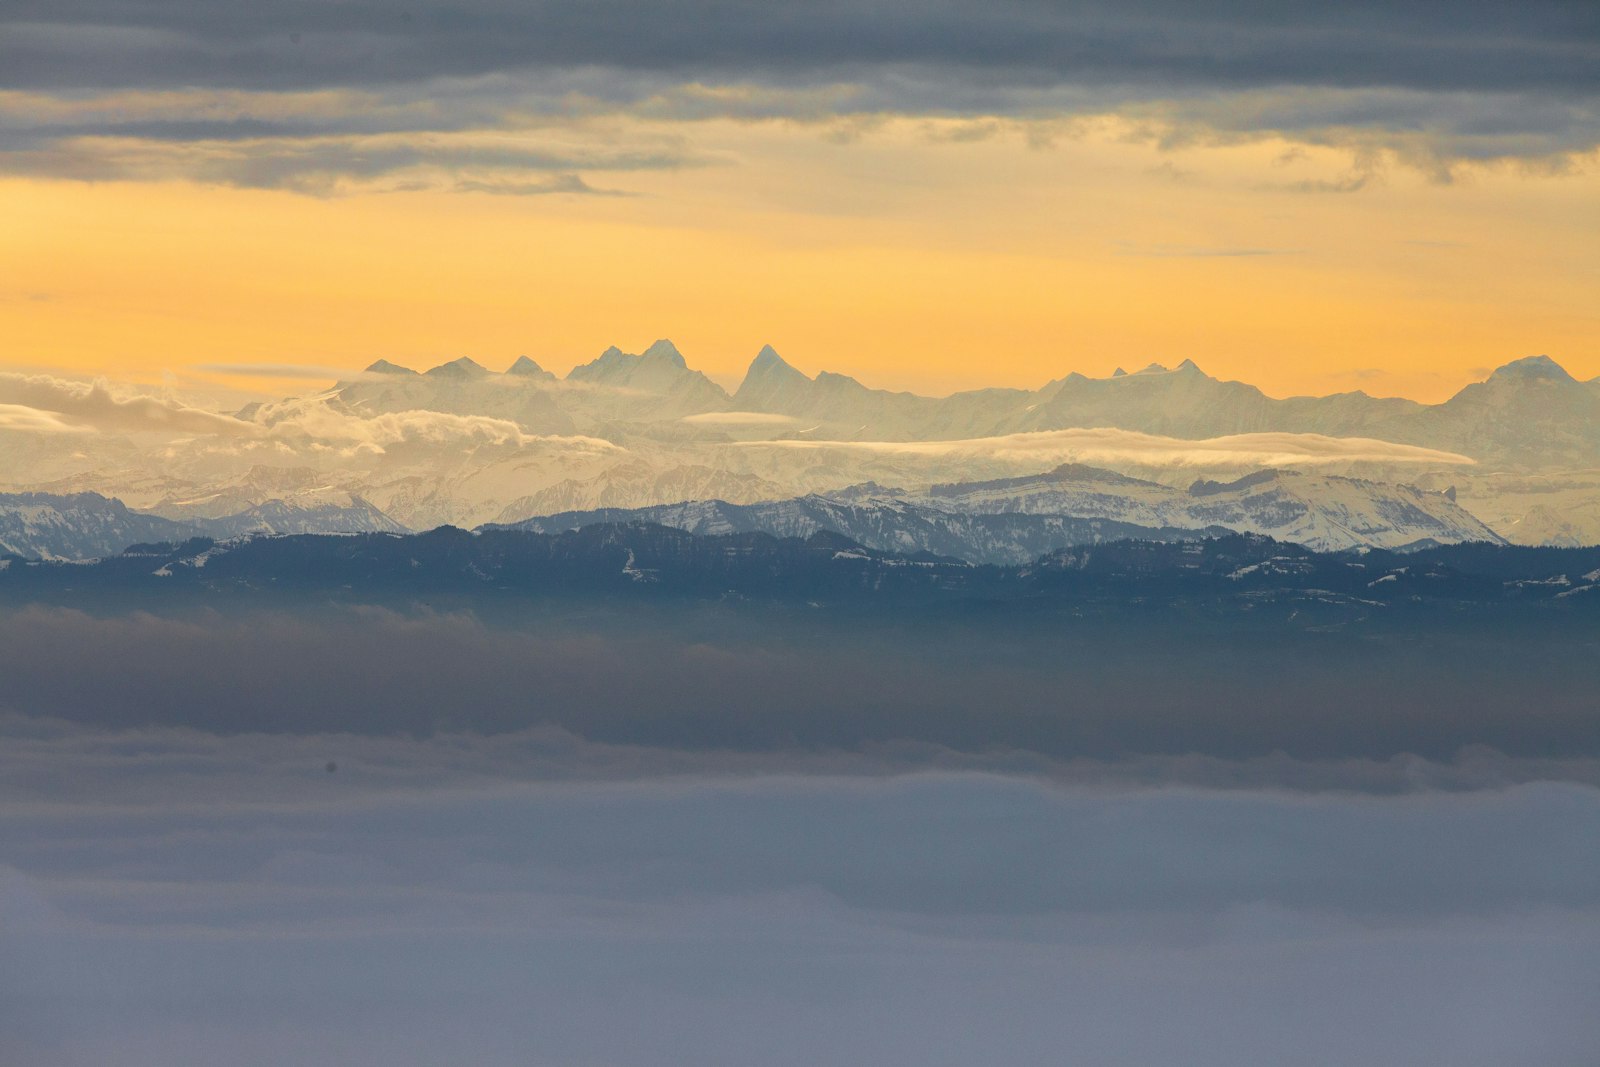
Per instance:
x=1528, y=413
x=1006, y=521
x=90, y=526
x=1516, y=455
x=1017, y=520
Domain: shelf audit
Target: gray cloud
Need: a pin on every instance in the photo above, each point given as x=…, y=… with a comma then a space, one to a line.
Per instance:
x=1473, y=46
x=329, y=165
x=1353, y=184
x=1425, y=85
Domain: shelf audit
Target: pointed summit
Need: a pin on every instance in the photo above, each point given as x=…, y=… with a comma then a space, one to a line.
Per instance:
x=1154, y=368
x=1189, y=366
x=1532, y=368
x=657, y=372
x=769, y=380
x=767, y=358
x=769, y=366
x=458, y=368
x=527, y=368
x=611, y=363
x=665, y=351
x=1119, y=373
x=383, y=366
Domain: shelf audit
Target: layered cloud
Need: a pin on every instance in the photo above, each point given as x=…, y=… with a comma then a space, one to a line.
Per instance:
x=300, y=431
x=1109, y=446
x=318, y=424
x=322, y=899
x=43, y=402
x=330, y=98
x=271, y=838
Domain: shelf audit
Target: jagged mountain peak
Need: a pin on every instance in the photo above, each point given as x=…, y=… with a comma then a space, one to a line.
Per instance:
x=768, y=361
x=768, y=365
x=656, y=384
x=769, y=375
x=615, y=362
x=828, y=377
x=1154, y=368
x=1532, y=368
x=665, y=351
x=527, y=368
x=465, y=367
x=383, y=366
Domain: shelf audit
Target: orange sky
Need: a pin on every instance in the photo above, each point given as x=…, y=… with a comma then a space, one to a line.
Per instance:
x=915, y=255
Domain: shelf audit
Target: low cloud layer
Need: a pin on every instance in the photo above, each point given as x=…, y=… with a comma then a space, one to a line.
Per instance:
x=370, y=838
x=1112, y=447
x=307, y=431
x=740, y=419
x=192, y=898
x=44, y=403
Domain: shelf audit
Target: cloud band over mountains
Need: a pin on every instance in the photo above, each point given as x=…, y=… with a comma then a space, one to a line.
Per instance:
x=1109, y=446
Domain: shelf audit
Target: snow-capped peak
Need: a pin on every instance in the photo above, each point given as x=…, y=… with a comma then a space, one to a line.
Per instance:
x=527, y=368
x=383, y=366
x=665, y=351
x=1532, y=368
x=769, y=366
x=465, y=367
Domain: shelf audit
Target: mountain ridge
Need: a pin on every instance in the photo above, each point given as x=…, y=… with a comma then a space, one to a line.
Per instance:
x=1526, y=412
x=1015, y=520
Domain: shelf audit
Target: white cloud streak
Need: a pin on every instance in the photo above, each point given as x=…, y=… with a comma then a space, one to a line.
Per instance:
x=1108, y=446
x=94, y=405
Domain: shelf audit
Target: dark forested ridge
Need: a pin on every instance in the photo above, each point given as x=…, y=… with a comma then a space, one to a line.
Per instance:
x=1227, y=575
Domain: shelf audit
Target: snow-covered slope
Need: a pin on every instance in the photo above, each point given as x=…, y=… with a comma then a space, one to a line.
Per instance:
x=1528, y=414
x=79, y=526
x=1018, y=519
x=91, y=526
x=885, y=523
x=1322, y=511
x=290, y=517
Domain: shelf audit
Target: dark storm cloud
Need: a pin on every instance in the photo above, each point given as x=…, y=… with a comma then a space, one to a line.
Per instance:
x=1475, y=46
x=1426, y=82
